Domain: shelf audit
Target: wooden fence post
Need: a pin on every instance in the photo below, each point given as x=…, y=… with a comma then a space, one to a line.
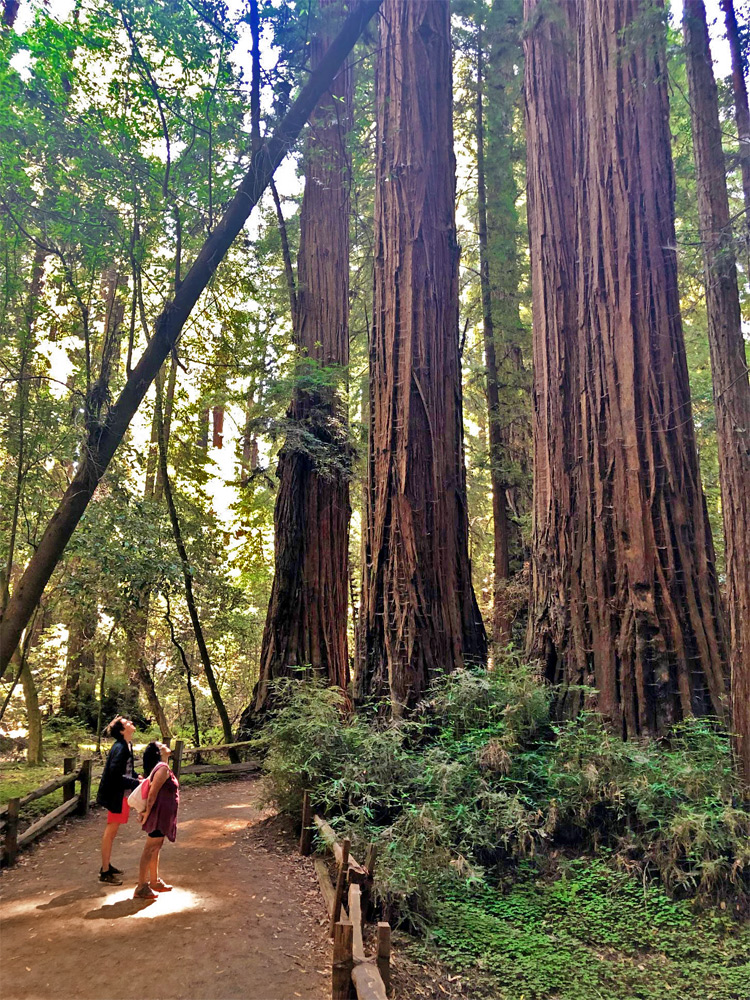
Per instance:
x=85, y=793
x=177, y=758
x=69, y=790
x=341, y=979
x=11, y=831
x=305, y=837
x=340, y=881
x=384, y=954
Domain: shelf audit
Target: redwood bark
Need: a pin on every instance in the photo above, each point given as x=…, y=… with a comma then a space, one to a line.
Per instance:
x=501, y=553
x=741, y=110
x=105, y=439
x=550, y=81
x=419, y=613
x=636, y=584
x=306, y=625
x=728, y=359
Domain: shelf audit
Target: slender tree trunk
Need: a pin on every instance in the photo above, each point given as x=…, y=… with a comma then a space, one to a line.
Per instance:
x=188, y=673
x=550, y=81
x=306, y=625
x=105, y=439
x=187, y=575
x=35, y=751
x=419, y=611
x=741, y=110
x=501, y=562
x=80, y=662
x=728, y=359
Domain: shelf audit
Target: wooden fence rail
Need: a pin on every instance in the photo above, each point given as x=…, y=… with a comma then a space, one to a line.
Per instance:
x=370, y=977
x=72, y=803
x=180, y=751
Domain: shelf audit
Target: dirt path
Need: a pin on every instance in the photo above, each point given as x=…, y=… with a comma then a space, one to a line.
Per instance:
x=245, y=919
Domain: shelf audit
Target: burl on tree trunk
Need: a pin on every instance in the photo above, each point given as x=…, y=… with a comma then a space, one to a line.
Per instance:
x=642, y=609
x=419, y=613
x=306, y=625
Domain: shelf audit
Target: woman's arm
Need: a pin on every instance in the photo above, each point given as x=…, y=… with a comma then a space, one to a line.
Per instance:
x=155, y=783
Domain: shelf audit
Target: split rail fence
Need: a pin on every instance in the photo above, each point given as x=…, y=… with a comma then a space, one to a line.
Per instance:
x=354, y=973
x=181, y=752
x=78, y=803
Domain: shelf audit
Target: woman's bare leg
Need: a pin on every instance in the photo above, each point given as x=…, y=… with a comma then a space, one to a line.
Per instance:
x=110, y=832
x=145, y=862
x=154, y=862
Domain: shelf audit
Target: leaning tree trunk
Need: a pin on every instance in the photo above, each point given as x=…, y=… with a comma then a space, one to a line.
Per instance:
x=306, y=625
x=650, y=616
x=419, y=612
x=105, y=438
x=500, y=526
x=550, y=81
x=728, y=359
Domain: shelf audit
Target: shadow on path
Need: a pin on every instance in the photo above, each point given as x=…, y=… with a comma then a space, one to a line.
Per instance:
x=69, y=897
x=122, y=908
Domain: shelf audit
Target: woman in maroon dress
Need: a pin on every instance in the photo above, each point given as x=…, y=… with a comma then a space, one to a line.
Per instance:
x=159, y=819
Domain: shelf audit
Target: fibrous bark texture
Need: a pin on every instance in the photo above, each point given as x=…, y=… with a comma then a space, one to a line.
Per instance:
x=550, y=81
x=644, y=618
x=419, y=613
x=728, y=359
x=306, y=625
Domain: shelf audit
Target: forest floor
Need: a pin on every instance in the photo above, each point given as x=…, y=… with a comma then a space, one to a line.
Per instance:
x=245, y=918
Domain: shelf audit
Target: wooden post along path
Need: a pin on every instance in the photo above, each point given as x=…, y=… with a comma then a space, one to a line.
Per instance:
x=11, y=831
x=69, y=790
x=340, y=882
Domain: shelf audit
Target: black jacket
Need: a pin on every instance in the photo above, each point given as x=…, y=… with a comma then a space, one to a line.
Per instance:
x=116, y=782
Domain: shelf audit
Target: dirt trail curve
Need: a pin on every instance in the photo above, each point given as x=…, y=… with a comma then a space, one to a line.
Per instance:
x=245, y=918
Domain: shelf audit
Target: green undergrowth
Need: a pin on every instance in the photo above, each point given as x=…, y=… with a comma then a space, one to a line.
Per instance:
x=557, y=859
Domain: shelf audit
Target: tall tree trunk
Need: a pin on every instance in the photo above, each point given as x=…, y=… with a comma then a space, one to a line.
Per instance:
x=728, y=359
x=647, y=631
x=306, y=625
x=187, y=575
x=35, y=750
x=741, y=110
x=419, y=611
x=105, y=439
x=550, y=82
x=80, y=662
x=501, y=562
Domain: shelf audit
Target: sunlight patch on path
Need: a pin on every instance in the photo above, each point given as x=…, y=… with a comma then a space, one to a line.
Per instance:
x=122, y=904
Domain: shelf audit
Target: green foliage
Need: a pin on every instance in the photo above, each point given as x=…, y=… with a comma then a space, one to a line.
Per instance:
x=482, y=779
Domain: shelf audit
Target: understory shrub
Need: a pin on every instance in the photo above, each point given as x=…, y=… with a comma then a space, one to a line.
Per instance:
x=482, y=778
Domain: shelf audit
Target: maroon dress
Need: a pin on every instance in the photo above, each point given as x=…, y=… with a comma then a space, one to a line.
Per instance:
x=163, y=815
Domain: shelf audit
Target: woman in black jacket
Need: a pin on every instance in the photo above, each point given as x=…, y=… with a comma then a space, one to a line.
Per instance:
x=118, y=780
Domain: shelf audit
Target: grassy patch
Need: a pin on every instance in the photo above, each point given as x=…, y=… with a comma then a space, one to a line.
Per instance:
x=591, y=933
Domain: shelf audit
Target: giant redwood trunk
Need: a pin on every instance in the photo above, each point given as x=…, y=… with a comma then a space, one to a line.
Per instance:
x=728, y=359
x=306, y=625
x=419, y=613
x=636, y=587
x=550, y=82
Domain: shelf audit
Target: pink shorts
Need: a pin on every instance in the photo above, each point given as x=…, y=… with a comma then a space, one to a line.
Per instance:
x=120, y=817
